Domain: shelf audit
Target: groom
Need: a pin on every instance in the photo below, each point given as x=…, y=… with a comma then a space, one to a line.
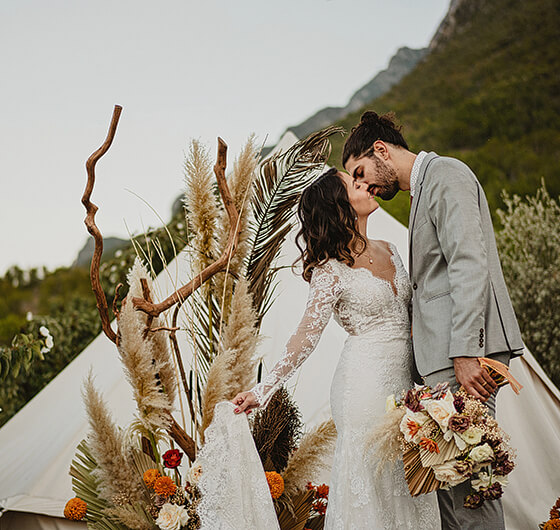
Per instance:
x=460, y=307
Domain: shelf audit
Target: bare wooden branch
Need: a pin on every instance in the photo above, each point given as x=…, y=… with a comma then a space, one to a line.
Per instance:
x=163, y=328
x=183, y=440
x=89, y=221
x=221, y=263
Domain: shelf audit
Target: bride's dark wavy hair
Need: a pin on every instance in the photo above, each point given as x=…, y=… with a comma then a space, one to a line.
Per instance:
x=329, y=228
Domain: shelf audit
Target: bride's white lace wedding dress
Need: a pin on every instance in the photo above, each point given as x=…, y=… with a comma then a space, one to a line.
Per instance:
x=375, y=362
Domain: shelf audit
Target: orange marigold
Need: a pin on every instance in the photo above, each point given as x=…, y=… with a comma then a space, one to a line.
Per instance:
x=75, y=509
x=164, y=486
x=553, y=524
x=275, y=483
x=150, y=476
x=430, y=445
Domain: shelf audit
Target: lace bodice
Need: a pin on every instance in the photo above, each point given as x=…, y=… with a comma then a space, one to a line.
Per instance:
x=362, y=303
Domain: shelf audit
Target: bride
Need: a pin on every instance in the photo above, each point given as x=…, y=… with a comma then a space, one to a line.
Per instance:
x=364, y=284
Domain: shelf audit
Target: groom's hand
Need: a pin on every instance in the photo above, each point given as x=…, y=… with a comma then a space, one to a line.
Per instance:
x=475, y=379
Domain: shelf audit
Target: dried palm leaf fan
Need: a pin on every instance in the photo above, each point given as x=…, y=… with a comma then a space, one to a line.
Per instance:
x=420, y=479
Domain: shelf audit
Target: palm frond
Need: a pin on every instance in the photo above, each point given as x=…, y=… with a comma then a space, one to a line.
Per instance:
x=278, y=187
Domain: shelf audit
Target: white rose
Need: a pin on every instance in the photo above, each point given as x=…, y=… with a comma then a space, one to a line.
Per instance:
x=172, y=517
x=483, y=481
x=481, y=453
x=44, y=331
x=411, y=422
x=472, y=436
x=441, y=410
x=447, y=473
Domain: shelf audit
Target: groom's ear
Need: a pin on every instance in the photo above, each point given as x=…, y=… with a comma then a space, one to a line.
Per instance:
x=381, y=149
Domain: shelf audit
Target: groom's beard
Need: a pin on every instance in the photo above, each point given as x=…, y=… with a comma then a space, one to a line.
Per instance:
x=388, y=184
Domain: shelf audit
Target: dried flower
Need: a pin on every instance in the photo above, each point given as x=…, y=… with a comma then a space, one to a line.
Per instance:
x=459, y=403
x=150, y=477
x=275, y=483
x=554, y=513
x=320, y=507
x=172, y=458
x=412, y=401
x=75, y=509
x=473, y=501
x=164, y=486
x=459, y=423
x=322, y=491
x=439, y=390
x=464, y=467
x=429, y=445
x=493, y=492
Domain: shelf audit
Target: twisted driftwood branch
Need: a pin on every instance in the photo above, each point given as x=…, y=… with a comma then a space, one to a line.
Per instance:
x=89, y=221
x=220, y=264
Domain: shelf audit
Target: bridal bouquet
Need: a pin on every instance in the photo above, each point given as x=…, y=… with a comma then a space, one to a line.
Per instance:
x=447, y=439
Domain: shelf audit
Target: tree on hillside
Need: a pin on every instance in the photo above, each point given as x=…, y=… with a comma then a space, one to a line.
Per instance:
x=529, y=245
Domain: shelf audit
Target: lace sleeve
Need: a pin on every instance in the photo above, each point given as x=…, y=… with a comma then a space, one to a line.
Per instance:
x=323, y=294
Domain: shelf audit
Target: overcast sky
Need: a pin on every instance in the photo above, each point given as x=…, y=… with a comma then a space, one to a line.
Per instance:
x=180, y=69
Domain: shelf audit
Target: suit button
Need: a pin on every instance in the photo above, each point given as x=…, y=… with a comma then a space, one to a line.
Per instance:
x=414, y=286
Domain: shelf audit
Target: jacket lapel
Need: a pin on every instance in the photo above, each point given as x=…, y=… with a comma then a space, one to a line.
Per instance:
x=415, y=200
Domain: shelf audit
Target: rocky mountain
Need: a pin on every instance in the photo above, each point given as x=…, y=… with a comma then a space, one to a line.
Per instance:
x=401, y=64
x=110, y=245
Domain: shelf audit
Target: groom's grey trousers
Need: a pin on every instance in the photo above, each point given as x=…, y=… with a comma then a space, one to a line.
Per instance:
x=454, y=516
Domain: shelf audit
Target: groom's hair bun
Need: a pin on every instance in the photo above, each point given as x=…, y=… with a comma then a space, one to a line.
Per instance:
x=372, y=127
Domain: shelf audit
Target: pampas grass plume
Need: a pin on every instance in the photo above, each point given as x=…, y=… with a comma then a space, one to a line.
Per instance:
x=143, y=358
x=315, y=447
x=201, y=204
x=114, y=472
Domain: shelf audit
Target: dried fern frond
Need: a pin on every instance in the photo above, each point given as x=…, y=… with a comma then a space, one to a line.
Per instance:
x=316, y=446
x=281, y=181
x=147, y=361
x=201, y=204
x=276, y=431
x=114, y=472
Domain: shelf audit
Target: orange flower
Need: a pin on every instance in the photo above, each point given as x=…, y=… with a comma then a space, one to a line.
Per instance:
x=322, y=491
x=164, y=486
x=553, y=524
x=275, y=483
x=413, y=428
x=75, y=509
x=554, y=513
x=430, y=445
x=150, y=476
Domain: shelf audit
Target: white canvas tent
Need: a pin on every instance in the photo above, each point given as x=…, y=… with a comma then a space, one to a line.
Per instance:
x=38, y=444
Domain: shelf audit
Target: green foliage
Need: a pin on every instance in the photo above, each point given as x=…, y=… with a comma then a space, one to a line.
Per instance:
x=72, y=326
x=490, y=96
x=529, y=245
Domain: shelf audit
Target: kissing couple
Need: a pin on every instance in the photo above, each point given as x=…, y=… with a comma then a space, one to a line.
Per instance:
x=461, y=311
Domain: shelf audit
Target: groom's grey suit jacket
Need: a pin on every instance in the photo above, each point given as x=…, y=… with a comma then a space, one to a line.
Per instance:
x=460, y=303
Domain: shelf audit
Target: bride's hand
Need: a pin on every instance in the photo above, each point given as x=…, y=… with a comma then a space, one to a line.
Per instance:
x=245, y=402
